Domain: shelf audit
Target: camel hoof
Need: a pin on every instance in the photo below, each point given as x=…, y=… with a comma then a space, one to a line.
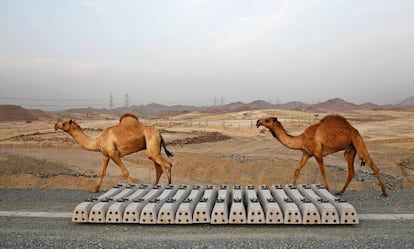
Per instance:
x=340, y=193
x=95, y=190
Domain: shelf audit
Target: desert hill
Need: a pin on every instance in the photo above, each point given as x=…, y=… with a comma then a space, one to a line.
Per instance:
x=18, y=113
x=408, y=101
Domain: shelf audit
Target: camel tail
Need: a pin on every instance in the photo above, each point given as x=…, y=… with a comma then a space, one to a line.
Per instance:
x=361, y=148
x=169, y=153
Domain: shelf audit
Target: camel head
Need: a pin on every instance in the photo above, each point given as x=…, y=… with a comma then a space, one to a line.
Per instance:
x=267, y=122
x=66, y=126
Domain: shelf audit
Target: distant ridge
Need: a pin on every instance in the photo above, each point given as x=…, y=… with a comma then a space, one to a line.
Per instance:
x=154, y=109
x=18, y=113
x=329, y=106
x=337, y=105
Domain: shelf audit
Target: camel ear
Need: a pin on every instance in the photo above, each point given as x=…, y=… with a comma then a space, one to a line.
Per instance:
x=274, y=119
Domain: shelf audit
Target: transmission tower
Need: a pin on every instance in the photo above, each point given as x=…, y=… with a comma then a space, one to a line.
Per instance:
x=126, y=100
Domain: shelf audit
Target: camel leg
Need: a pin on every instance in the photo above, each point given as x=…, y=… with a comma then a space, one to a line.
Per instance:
x=158, y=159
x=319, y=160
x=102, y=173
x=302, y=163
x=376, y=171
x=122, y=167
x=349, y=157
x=365, y=157
x=158, y=171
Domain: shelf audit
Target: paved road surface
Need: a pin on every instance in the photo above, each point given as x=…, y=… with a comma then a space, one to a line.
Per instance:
x=25, y=232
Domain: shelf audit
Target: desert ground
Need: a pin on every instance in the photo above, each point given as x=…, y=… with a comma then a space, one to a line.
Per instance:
x=209, y=149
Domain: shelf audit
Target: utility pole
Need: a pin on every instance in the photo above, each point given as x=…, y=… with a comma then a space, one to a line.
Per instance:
x=126, y=100
x=111, y=102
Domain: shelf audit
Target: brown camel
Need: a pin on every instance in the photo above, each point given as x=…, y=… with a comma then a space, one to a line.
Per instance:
x=332, y=134
x=125, y=138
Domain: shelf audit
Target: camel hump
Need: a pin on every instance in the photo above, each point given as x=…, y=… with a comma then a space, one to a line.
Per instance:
x=128, y=115
x=335, y=117
x=336, y=120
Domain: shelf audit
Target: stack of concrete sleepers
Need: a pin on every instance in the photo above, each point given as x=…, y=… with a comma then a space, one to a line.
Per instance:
x=184, y=204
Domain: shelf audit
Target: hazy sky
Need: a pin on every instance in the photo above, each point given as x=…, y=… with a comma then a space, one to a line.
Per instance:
x=80, y=52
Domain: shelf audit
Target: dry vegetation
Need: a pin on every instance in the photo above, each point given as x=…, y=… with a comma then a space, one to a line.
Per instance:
x=209, y=149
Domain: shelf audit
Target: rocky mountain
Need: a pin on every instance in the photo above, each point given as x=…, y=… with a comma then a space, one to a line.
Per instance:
x=335, y=105
x=153, y=109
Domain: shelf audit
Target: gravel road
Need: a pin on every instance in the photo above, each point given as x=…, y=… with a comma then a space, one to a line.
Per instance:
x=23, y=232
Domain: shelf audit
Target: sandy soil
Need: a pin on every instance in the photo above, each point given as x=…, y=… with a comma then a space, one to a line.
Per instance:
x=209, y=149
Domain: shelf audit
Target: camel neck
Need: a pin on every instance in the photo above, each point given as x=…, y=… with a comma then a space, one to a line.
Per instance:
x=84, y=140
x=292, y=142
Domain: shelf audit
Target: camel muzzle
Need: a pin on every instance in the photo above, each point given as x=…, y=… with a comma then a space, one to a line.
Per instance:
x=258, y=124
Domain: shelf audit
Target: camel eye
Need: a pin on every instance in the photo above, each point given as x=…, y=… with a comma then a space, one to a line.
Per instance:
x=267, y=120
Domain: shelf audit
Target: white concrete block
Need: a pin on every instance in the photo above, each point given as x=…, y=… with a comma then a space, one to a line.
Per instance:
x=112, y=192
x=220, y=213
x=149, y=213
x=327, y=211
x=166, y=214
x=347, y=212
x=272, y=211
x=203, y=209
x=137, y=202
x=122, y=199
x=97, y=214
x=184, y=214
x=237, y=209
x=291, y=212
x=81, y=212
x=98, y=211
x=310, y=214
x=255, y=213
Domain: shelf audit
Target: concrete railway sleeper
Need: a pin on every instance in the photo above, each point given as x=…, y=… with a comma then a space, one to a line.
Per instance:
x=202, y=212
x=347, y=213
x=310, y=214
x=185, y=210
x=255, y=213
x=172, y=204
x=237, y=209
x=271, y=208
x=134, y=207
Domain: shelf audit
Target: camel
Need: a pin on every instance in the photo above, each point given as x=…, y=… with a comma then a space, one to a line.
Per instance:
x=125, y=138
x=332, y=134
